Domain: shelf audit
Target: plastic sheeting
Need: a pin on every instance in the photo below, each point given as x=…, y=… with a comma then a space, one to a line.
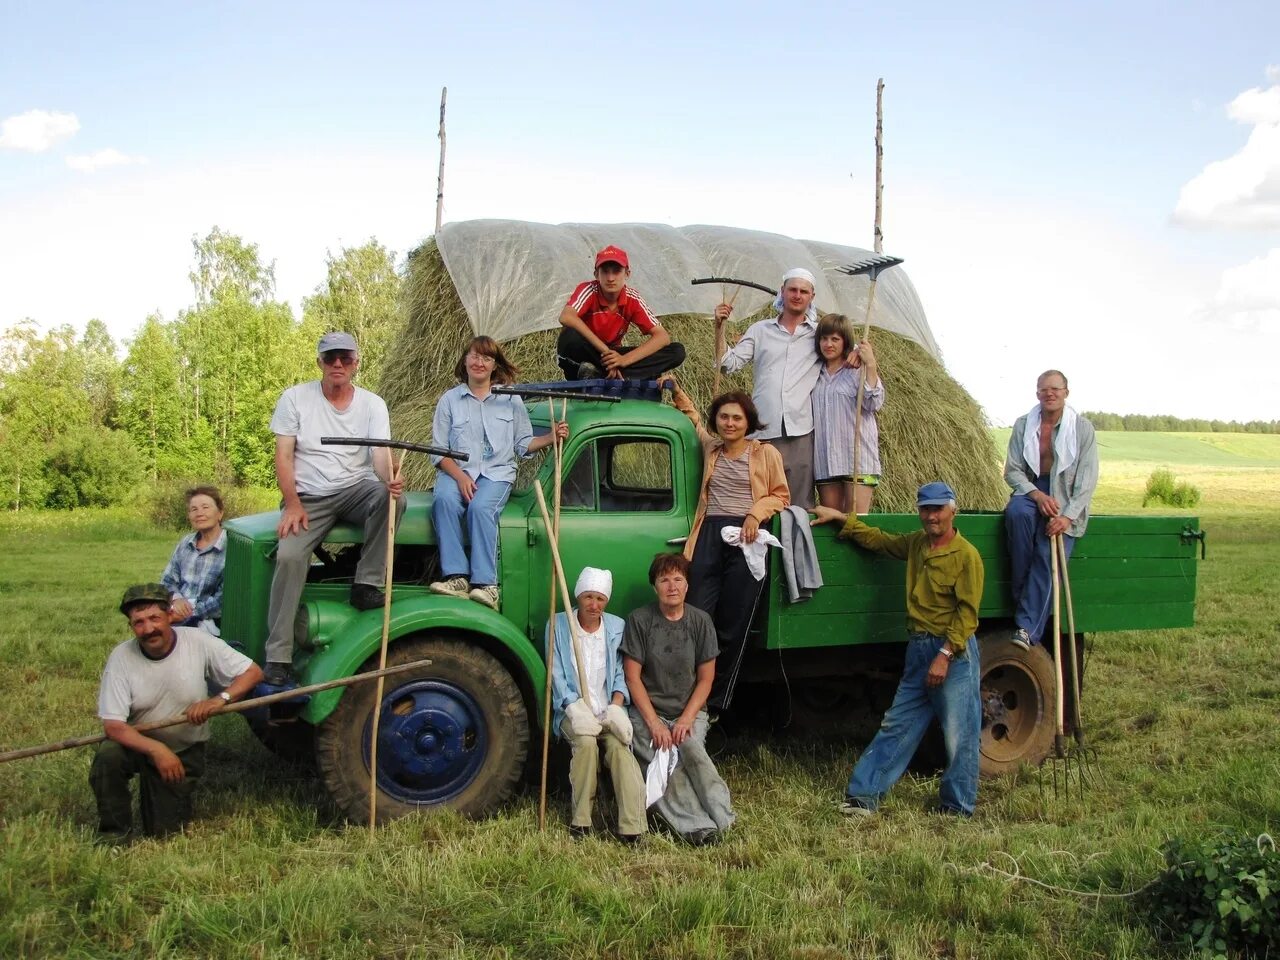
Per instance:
x=513, y=277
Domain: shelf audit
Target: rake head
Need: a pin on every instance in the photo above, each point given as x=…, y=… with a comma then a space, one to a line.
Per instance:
x=873, y=265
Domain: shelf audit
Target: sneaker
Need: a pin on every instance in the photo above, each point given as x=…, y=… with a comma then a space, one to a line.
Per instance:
x=628, y=839
x=365, y=596
x=702, y=838
x=852, y=808
x=942, y=810
x=451, y=587
x=487, y=594
x=278, y=675
x=579, y=833
x=590, y=371
x=1021, y=639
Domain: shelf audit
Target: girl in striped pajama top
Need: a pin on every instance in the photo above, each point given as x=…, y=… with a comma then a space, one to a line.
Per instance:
x=834, y=397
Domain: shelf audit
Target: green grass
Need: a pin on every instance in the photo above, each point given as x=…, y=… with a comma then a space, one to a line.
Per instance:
x=1185, y=722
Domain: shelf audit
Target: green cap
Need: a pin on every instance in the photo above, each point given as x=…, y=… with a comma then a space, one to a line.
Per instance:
x=139, y=592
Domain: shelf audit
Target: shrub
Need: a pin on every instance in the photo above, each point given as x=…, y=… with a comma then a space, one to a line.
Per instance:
x=1184, y=495
x=91, y=467
x=1219, y=897
x=1162, y=488
x=1159, y=487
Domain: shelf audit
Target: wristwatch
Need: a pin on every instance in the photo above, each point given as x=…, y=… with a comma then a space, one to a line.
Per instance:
x=946, y=653
x=225, y=697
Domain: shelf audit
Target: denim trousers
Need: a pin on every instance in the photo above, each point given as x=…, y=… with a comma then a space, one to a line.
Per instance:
x=449, y=512
x=957, y=705
x=1030, y=563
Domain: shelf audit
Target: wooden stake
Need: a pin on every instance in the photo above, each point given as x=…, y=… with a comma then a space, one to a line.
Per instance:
x=239, y=707
x=878, y=238
x=382, y=652
x=444, y=93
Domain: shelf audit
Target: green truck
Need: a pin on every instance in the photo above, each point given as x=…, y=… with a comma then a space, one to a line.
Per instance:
x=457, y=732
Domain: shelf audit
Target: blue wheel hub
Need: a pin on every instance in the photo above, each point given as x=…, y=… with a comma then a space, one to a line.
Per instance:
x=432, y=741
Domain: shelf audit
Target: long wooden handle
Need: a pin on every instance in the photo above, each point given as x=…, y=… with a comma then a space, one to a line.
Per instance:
x=551, y=619
x=1077, y=726
x=857, y=405
x=239, y=707
x=1057, y=647
x=382, y=651
x=564, y=589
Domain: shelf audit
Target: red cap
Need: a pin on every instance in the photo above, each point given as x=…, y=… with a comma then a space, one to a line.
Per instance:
x=612, y=254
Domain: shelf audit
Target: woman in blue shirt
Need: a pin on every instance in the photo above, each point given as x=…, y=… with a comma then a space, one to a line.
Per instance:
x=492, y=429
x=193, y=576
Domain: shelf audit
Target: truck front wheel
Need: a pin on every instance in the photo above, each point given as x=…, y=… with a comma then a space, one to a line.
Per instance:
x=1019, y=705
x=452, y=733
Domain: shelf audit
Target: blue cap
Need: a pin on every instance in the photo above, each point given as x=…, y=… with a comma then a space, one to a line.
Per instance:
x=336, y=340
x=936, y=494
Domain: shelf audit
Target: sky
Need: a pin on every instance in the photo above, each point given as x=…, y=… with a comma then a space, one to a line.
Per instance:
x=1094, y=188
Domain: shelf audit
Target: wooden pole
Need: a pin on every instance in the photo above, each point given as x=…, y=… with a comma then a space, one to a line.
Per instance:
x=1059, y=747
x=382, y=652
x=878, y=238
x=444, y=93
x=551, y=617
x=878, y=242
x=239, y=707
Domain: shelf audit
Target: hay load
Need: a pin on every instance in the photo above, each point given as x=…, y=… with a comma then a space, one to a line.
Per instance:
x=509, y=280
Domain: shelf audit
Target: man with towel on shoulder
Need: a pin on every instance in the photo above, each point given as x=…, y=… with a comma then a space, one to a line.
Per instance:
x=781, y=349
x=1052, y=467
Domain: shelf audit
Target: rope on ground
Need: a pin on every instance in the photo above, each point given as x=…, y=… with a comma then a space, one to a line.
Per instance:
x=988, y=868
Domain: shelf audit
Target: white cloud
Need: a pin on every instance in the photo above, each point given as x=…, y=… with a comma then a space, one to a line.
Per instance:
x=1273, y=72
x=1248, y=296
x=1244, y=189
x=93, y=162
x=37, y=130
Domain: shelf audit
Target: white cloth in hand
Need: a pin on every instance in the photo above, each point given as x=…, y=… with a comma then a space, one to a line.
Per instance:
x=660, y=769
x=582, y=722
x=755, y=551
x=618, y=723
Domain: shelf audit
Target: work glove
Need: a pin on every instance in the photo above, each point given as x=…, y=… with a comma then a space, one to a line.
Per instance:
x=582, y=722
x=618, y=723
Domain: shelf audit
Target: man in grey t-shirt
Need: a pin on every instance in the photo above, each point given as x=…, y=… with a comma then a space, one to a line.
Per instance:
x=321, y=484
x=166, y=671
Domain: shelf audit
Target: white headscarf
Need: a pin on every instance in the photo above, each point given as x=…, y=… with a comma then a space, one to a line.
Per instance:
x=594, y=580
x=798, y=273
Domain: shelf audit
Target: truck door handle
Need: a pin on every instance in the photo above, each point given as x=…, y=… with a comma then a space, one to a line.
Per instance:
x=677, y=541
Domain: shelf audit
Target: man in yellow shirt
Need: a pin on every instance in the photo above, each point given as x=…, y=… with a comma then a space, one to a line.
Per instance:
x=941, y=677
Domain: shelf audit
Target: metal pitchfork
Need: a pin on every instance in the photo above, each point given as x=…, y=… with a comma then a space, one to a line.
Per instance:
x=1067, y=762
x=1086, y=754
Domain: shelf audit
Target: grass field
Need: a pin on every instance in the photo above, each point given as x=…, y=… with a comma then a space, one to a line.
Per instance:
x=1186, y=724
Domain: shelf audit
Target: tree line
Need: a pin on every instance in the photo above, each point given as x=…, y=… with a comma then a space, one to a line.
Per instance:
x=1143, y=423
x=192, y=397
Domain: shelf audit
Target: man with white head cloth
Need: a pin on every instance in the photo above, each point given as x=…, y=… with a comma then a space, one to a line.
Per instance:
x=786, y=369
x=596, y=717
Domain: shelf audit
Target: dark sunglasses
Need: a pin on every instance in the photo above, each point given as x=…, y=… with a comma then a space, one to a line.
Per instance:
x=333, y=357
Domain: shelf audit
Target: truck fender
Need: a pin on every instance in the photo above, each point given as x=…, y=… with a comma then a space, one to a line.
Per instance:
x=361, y=639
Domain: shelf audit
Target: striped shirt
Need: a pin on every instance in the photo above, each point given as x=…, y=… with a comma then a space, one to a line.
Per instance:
x=196, y=576
x=729, y=489
x=834, y=396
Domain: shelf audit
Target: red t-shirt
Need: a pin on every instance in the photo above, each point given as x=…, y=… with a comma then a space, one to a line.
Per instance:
x=610, y=325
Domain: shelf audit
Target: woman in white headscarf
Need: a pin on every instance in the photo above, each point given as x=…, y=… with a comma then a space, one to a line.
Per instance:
x=596, y=718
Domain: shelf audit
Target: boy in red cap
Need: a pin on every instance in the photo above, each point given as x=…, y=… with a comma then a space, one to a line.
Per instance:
x=595, y=320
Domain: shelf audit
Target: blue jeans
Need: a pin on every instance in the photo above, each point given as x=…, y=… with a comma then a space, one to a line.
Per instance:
x=1030, y=563
x=958, y=706
x=448, y=513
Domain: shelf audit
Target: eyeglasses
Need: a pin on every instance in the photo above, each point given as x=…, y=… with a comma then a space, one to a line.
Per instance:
x=480, y=358
x=332, y=358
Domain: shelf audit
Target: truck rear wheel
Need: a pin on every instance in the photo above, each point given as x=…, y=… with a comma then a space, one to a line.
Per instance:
x=452, y=733
x=1019, y=704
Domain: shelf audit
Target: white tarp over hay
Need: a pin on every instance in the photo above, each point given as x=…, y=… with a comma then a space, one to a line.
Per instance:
x=513, y=277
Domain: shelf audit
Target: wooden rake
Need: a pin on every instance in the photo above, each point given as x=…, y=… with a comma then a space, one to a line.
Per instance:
x=871, y=267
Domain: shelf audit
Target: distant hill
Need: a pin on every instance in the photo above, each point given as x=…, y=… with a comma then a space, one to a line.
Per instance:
x=1174, y=449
